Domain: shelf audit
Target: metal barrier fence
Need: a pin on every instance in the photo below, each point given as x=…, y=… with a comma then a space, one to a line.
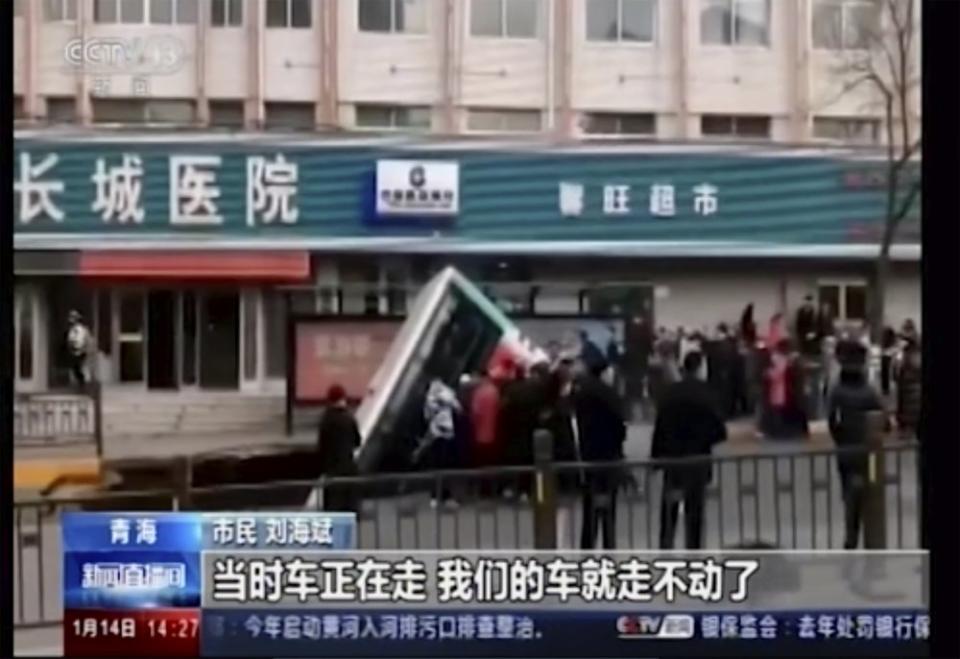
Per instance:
x=59, y=418
x=789, y=500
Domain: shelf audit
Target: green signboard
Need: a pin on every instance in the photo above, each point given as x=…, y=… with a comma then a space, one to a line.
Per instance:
x=262, y=191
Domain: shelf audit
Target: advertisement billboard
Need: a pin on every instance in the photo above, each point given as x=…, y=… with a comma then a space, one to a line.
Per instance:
x=332, y=351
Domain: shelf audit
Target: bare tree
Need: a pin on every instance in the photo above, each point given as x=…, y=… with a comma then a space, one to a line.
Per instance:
x=886, y=63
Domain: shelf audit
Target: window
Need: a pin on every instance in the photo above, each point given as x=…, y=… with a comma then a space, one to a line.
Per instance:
x=250, y=308
x=855, y=303
x=104, y=331
x=504, y=120
x=392, y=16
x=289, y=13
x=327, y=300
x=131, y=312
x=18, y=110
x=735, y=22
x=23, y=303
x=844, y=24
x=61, y=110
x=59, y=10
x=157, y=12
x=173, y=12
x=395, y=279
x=119, y=11
x=226, y=114
x=188, y=365
x=226, y=13
x=850, y=131
x=392, y=116
x=719, y=125
x=139, y=111
x=290, y=116
x=504, y=18
x=275, y=332
x=602, y=123
x=847, y=301
x=621, y=20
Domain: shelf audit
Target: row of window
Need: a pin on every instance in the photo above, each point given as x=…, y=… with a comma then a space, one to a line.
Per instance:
x=302, y=116
x=836, y=24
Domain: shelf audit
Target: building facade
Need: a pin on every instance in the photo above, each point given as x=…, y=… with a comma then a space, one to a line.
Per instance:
x=666, y=69
x=634, y=157
x=187, y=252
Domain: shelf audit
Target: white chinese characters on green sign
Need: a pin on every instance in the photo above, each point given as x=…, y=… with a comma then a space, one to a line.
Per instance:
x=194, y=194
x=617, y=199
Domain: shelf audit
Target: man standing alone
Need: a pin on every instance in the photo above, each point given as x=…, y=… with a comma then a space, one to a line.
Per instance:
x=688, y=426
x=850, y=402
x=337, y=439
x=79, y=346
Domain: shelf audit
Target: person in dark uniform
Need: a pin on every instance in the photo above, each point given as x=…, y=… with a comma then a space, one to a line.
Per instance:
x=601, y=430
x=850, y=402
x=689, y=424
x=337, y=439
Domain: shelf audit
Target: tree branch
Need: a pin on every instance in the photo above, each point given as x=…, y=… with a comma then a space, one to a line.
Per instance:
x=906, y=203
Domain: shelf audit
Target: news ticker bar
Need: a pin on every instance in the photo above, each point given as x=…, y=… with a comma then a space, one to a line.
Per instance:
x=367, y=632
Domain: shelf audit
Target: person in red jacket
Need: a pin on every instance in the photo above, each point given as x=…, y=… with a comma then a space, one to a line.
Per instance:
x=484, y=412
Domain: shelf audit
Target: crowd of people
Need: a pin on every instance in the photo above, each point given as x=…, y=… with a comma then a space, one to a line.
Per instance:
x=782, y=376
x=693, y=382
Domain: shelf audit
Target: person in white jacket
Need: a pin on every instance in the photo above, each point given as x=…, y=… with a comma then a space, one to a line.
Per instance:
x=439, y=411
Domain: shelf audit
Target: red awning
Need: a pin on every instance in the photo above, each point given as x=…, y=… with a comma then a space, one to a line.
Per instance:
x=260, y=266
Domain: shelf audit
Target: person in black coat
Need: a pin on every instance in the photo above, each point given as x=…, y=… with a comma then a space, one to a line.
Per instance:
x=689, y=424
x=850, y=402
x=601, y=431
x=520, y=416
x=337, y=439
x=807, y=328
x=721, y=367
x=796, y=417
x=557, y=416
x=888, y=346
x=748, y=326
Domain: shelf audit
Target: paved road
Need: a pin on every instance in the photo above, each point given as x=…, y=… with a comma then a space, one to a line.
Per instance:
x=792, y=502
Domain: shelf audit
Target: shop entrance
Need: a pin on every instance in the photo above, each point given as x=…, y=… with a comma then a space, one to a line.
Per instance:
x=219, y=340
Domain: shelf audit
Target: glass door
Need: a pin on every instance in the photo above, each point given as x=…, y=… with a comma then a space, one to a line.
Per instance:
x=131, y=337
x=25, y=339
